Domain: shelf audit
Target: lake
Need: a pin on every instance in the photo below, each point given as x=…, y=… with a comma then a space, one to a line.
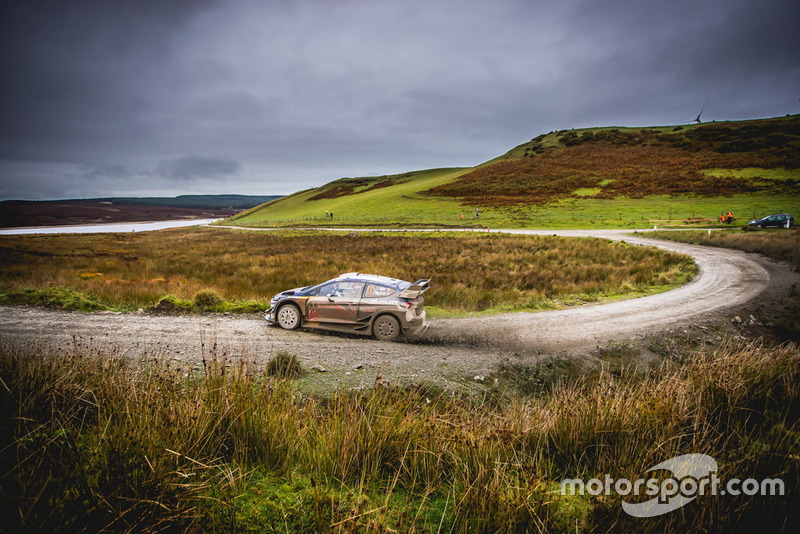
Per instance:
x=106, y=228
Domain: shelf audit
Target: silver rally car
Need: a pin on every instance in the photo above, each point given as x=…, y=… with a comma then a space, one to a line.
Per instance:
x=354, y=302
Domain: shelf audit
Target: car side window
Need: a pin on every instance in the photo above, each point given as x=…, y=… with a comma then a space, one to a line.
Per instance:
x=376, y=291
x=350, y=290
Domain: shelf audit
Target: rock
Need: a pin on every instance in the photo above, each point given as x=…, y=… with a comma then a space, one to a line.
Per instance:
x=479, y=378
x=319, y=368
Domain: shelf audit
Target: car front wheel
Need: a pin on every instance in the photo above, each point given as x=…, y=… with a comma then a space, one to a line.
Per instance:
x=386, y=328
x=289, y=317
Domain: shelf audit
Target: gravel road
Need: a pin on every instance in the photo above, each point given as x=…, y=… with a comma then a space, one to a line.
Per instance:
x=728, y=283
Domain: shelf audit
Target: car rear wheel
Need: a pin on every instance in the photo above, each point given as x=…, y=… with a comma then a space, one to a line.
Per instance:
x=289, y=316
x=386, y=328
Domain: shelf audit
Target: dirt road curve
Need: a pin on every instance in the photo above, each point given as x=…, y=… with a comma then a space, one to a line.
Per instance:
x=728, y=283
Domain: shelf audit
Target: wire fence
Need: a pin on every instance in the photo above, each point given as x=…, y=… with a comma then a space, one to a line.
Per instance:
x=530, y=219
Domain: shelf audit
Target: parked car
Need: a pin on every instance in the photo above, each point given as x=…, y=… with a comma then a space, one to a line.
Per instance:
x=354, y=302
x=781, y=220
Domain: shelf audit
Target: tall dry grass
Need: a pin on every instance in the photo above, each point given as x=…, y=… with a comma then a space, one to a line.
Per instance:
x=776, y=244
x=95, y=442
x=470, y=272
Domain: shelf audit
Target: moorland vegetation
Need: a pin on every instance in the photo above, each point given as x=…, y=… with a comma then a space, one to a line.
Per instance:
x=609, y=163
x=209, y=269
x=93, y=441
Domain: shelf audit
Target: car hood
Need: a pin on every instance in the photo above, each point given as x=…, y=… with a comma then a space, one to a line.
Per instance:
x=291, y=292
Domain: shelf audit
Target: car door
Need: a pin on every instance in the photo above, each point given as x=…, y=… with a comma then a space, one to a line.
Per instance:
x=336, y=302
x=377, y=297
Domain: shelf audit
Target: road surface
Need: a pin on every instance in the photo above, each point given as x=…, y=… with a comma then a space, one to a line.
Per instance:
x=728, y=282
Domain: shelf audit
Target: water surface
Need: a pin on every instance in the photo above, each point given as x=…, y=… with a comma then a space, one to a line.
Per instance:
x=106, y=228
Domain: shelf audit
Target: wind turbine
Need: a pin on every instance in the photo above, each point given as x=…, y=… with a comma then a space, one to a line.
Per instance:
x=697, y=119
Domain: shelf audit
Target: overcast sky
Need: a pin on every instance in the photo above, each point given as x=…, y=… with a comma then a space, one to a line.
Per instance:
x=167, y=97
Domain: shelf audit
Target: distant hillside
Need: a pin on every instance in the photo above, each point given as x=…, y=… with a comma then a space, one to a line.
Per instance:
x=123, y=209
x=236, y=202
x=593, y=177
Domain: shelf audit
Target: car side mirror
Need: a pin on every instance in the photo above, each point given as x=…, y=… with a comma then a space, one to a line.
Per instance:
x=330, y=297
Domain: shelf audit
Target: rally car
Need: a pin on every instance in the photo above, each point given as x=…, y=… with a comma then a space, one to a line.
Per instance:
x=365, y=304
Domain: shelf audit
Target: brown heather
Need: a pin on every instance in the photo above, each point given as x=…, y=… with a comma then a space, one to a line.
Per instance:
x=470, y=272
x=635, y=164
x=776, y=244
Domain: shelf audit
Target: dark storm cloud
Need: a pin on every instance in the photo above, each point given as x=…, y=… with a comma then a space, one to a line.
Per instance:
x=145, y=97
x=197, y=167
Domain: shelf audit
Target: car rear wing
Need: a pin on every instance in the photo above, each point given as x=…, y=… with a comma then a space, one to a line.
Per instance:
x=416, y=289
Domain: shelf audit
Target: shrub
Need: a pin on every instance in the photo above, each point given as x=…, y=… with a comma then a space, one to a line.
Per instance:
x=207, y=299
x=284, y=365
x=171, y=303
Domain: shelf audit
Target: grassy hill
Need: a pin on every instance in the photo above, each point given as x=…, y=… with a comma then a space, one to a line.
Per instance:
x=593, y=177
x=379, y=200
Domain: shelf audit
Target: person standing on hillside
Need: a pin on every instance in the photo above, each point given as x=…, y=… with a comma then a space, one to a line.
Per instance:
x=477, y=213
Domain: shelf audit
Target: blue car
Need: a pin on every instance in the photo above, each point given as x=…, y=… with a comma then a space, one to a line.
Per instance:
x=781, y=220
x=359, y=303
